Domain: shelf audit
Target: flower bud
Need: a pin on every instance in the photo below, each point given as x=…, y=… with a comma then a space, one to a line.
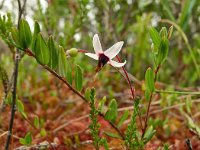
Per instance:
x=72, y=52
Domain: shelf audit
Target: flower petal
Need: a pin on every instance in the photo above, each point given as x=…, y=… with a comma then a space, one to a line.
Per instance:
x=117, y=64
x=114, y=50
x=91, y=55
x=97, y=44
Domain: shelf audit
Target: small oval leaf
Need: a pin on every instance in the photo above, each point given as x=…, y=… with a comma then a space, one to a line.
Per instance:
x=28, y=138
x=112, y=112
x=53, y=61
x=123, y=118
x=155, y=37
x=149, y=134
x=64, y=68
x=163, y=51
x=36, y=122
x=41, y=50
x=25, y=35
x=36, y=31
x=149, y=80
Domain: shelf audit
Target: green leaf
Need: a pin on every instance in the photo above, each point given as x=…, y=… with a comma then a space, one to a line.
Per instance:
x=28, y=138
x=102, y=104
x=166, y=147
x=113, y=135
x=104, y=142
x=15, y=35
x=192, y=125
x=163, y=51
x=22, y=141
x=87, y=94
x=123, y=118
x=149, y=80
x=147, y=94
x=64, y=68
x=36, y=122
x=186, y=13
x=155, y=37
x=41, y=50
x=25, y=35
x=43, y=132
x=111, y=113
x=36, y=31
x=53, y=61
x=78, y=78
x=149, y=134
x=20, y=108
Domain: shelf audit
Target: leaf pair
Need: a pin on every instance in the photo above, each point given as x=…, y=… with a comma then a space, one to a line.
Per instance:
x=160, y=44
x=27, y=140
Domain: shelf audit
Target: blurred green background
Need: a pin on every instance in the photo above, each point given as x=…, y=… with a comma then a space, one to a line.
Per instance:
x=74, y=22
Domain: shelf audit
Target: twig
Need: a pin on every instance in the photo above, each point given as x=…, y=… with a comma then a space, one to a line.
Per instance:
x=29, y=52
x=189, y=144
x=127, y=77
x=132, y=91
x=149, y=104
x=147, y=115
x=14, y=92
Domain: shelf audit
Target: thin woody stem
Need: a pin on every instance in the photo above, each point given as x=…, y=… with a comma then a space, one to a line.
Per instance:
x=29, y=52
x=132, y=90
x=129, y=82
x=150, y=100
x=15, y=73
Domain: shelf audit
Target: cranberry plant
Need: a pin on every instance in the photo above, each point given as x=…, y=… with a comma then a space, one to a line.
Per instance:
x=65, y=62
x=54, y=59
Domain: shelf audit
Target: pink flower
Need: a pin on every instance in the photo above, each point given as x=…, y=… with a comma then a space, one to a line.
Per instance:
x=105, y=57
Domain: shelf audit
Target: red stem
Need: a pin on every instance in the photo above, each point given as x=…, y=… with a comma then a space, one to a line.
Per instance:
x=29, y=52
x=129, y=82
x=132, y=91
x=149, y=104
x=82, y=51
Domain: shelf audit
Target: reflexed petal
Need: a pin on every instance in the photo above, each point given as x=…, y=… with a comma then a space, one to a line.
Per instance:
x=114, y=50
x=116, y=64
x=94, y=56
x=97, y=44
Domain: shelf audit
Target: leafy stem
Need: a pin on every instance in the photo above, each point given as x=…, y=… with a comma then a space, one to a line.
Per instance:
x=186, y=42
x=150, y=100
x=14, y=91
x=132, y=91
x=29, y=52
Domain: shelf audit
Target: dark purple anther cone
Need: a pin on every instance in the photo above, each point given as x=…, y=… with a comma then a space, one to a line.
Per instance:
x=103, y=59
